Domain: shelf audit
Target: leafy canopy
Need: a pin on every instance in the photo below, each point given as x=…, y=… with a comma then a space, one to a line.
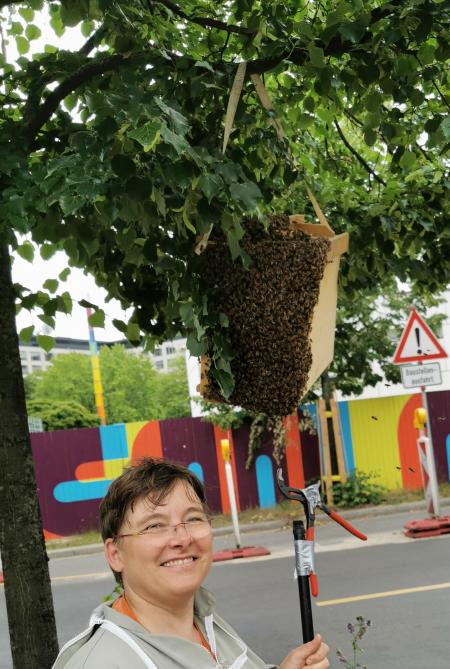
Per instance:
x=132, y=389
x=113, y=152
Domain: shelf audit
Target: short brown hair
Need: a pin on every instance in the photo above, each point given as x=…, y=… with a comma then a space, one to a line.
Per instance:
x=150, y=477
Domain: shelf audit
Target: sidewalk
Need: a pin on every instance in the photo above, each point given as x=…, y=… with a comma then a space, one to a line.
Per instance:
x=349, y=514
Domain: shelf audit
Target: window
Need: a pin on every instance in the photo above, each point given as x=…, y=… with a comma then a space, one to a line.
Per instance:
x=35, y=356
x=157, y=351
x=48, y=356
x=170, y=350
x=159, y=364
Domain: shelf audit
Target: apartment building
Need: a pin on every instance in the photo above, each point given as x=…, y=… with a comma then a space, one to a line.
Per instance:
x=34, y=358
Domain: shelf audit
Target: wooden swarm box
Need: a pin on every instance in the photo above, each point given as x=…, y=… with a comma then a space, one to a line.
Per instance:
x=316, y=338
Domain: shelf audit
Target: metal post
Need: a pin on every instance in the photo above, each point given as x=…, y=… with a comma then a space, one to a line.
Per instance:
x=303, y=582
x=426, y=457
x=226, y=454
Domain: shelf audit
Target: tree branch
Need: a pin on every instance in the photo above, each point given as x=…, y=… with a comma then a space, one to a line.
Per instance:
x=93, y=41
x=204, y=22
x=82, y=75
x=358, y=156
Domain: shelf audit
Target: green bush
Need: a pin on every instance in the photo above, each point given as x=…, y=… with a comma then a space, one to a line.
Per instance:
x=61, y=415
x=358, y=489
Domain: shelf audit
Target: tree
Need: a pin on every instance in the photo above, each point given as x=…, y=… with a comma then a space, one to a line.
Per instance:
x=112, y=153
x=62, y=415
x=367, y=334
x=132, y=389
x=172, y=391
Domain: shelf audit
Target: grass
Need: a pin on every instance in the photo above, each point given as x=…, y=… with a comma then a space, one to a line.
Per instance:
x=286, y=510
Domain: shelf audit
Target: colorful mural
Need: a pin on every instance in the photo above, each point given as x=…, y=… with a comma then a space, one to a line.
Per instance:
x=75, y=467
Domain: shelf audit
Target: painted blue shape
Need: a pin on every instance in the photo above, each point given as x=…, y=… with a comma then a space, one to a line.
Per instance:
x=346, y=433
x=447, y=444
x=80, y=491
x=113, y=439
x=197, y=469
x=265, y=482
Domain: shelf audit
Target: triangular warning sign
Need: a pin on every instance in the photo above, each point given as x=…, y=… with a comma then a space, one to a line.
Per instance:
x=417, y=343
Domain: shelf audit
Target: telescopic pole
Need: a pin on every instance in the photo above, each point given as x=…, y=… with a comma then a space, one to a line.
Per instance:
x=303, y=581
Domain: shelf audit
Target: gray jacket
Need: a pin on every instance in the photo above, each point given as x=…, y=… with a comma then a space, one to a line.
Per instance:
x=115, y=641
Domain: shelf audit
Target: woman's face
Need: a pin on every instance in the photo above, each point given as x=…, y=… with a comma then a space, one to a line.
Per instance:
x=163, y=568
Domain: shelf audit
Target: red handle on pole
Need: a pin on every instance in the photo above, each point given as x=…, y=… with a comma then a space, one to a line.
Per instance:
x=335, y=516
x=314, y=584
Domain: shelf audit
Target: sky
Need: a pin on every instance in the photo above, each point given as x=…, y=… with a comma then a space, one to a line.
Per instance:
x=33, y=275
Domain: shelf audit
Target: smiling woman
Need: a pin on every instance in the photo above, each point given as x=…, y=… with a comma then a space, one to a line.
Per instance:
x=158, y=542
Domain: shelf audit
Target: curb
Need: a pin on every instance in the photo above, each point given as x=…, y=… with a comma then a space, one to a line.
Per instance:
x=368, y=511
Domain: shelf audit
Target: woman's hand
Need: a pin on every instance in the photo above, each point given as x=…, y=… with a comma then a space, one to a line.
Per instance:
x=313, y=654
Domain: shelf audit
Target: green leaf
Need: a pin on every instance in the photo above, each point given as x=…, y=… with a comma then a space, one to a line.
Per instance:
x=223, y=320
x=48, y=320
x=23, y=45
x=210, y=185
x=316, y=56
x=247, y=194
x=133, y=332
x=445, y=127
x=26, y=251
x=97, y=319
x=45, y=342
x=196, y=347
x=225, y=381
x=51, y=285
x=370, y=137
x=408, y=159
x=25, y=334
x=119, y=325
x=87, y=27
x=177, y=141
x=70, y=102
x=147, y=135
x=32, y=32
x=27, y=14
x=205, y=65
x=64, y=274
x=352, y=31
x=47, y=251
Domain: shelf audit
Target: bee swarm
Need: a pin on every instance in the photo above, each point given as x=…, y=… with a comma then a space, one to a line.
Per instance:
x=270, y=309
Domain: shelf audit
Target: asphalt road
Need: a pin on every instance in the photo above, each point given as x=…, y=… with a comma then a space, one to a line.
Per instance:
x=409, y=630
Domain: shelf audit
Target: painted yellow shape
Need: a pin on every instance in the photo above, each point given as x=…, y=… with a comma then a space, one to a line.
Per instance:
x=374, y=426
x=388, y=593
x=132, y=430
x=114, y=468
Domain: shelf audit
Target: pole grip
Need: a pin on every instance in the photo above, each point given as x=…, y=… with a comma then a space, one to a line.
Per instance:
x=336, y=517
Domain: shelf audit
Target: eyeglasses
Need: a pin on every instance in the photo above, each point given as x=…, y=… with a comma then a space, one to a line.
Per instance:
x=196, y=527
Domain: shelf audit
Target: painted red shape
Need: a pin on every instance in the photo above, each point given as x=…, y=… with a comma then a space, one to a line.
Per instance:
x=407, y=436
x=52, y=535
x=294, y=462
x=90, y=470
x=244, y=552
x=147, y=442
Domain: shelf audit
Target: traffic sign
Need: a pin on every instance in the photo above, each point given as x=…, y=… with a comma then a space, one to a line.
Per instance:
x=414, y=376
x=418, y=342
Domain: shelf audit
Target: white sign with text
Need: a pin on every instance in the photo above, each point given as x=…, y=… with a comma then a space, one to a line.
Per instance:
x=421, y=375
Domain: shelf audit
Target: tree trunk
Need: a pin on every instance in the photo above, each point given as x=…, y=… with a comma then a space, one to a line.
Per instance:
x=28, y=592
